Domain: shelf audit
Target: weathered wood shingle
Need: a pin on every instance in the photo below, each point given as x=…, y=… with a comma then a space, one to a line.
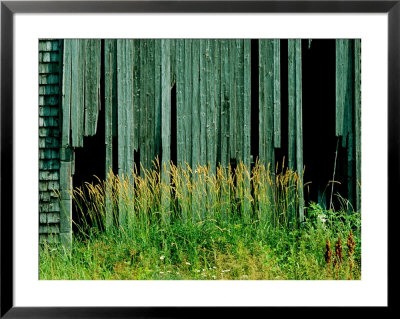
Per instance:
x=49, y=137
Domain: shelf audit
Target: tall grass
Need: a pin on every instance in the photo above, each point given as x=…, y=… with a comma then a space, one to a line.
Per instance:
x=259, y=196
x=235, y=223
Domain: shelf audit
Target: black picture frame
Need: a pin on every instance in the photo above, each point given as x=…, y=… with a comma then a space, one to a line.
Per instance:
x=9, y=8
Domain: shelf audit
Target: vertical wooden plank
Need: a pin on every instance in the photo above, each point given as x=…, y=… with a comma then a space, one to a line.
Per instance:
x=340, y=71
x=66, y=94
x=165, y=126
x=247, y=101
x=225, y=102
x=92, y=84
x=173, y=61
x=122, y=106
x=115, y=93
x=277, y=94
x=142, y=104
x=357, y=119
x=350, y=123
x=66, y=201
x=211, y=122
x=246, y=125
x=232, y=98
x=130, y=118
x=157, y=97
x=225, y=126
x=217, y=98
x=196, y=143
x=239, y=99
x=65, y=150
x=77, y=98
x=261, y=99
x=109, y=87
x=269, y=104
x=299, y=128
x=292, y=104
x=122, y=123
x=210, y=98
x=180, y=100
x=203, y=107
x=345, y=86
x=187, y=114
x=150, y=106
x=195, y=103
x=136, y=92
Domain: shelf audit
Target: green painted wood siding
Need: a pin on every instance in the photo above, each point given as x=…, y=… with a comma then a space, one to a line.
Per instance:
x=348, y=112
x=81, y=89
x=213, y=120
x=269, y=100
x=357, y=118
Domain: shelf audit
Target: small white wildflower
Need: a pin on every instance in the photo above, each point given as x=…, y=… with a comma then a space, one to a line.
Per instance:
x=162, y=257
x=227, y=270
x=161, y=272
x=204, y=270
x=214, y=267
x=187, y=263
x=168, y=271
x=214, y=277
x=197, y=270
x=322, y=218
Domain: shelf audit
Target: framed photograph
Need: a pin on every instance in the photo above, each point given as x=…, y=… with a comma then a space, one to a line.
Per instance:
x=162, y=155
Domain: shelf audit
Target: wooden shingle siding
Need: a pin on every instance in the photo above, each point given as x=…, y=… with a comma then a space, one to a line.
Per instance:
x=49, y=138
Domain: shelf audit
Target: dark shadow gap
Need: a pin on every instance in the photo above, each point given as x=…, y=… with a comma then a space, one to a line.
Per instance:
x=254, y=138
x=281, y=153
x=173, y=150
x=90, y=159
x=319, y=140
x=90, y=162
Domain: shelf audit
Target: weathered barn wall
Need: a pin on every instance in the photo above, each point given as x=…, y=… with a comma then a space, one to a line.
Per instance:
x=348, y=112
x=49, y=138
x=214, y=106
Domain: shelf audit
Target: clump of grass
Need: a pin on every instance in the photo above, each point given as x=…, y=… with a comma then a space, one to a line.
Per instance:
x=134, y=201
